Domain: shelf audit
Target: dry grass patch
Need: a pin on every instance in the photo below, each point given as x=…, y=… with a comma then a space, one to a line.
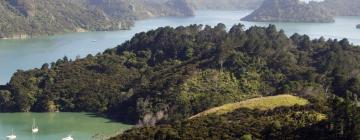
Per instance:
x=262, y=103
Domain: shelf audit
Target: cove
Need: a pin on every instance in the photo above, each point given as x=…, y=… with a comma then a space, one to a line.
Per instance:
x=31, y=53
x=55, y=126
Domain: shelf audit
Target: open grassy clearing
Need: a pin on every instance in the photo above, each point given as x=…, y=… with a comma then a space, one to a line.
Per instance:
x=262, y=103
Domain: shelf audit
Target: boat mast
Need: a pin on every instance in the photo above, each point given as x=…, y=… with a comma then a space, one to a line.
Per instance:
x=33, y=125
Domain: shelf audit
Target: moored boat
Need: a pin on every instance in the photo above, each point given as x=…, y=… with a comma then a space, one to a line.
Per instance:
x=12, y=136
x=68, y=138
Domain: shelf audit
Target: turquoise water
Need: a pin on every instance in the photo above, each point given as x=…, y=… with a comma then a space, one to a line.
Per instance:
x=55, y=126
x=31, y=53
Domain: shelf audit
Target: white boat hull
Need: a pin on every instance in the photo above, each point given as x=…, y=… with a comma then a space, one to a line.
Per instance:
x=11, y=137
x=35, y=130
x=68, y=138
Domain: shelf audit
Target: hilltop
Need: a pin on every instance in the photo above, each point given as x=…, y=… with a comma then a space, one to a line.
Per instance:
x=289, y=11
x=27, y=18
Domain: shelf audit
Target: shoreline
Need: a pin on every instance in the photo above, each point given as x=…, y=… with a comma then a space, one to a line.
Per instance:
x=78, y=30
x=122, y=27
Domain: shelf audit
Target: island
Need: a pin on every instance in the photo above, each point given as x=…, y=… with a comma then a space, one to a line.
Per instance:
x=290, y=11
x=358, y=26
x=199, y=82
x=29, y=18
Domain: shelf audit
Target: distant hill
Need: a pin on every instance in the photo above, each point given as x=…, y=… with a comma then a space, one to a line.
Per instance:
x=25, y=18
x=358, y=26
x=225, y=4
x=342, y=7
x=138, y=9
x=290, y=11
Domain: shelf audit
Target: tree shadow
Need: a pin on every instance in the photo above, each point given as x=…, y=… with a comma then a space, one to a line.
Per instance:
x=110, y=120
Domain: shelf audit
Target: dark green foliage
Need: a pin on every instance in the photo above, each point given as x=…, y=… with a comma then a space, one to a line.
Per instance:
x=280, y=123
x=170, y=74
x=6, y=101
x=293, y=123
x=344, y=118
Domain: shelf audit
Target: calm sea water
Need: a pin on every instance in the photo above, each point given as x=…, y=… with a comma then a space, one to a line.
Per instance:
x=55, y=126
x=31, y=53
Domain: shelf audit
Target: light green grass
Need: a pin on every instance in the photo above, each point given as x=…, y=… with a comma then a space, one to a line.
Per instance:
x=262, y=103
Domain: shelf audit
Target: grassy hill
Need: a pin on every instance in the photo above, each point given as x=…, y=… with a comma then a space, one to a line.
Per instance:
x=289, y=116
x=262, y=103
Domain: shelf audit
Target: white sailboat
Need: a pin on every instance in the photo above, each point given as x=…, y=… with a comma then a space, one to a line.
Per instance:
x=68, y=138
x=34, y=128
x=12, y=136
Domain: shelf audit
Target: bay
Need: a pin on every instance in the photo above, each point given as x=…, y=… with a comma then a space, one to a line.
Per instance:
x=55, y=126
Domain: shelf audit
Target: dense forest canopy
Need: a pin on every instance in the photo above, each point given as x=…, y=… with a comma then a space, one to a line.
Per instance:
x=196, y=81
x=24, y=18
x=173, y=73
x=167, y=75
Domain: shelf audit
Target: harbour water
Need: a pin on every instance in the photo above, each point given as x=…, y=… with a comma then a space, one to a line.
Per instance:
x=55, y=126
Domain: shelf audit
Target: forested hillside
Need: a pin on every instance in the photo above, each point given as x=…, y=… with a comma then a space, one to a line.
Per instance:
x=343, y=7
x=27, y=18
x=139, y=9
x=290, y=11
x=170, y=74
x=296, y=122
x=298, y=11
